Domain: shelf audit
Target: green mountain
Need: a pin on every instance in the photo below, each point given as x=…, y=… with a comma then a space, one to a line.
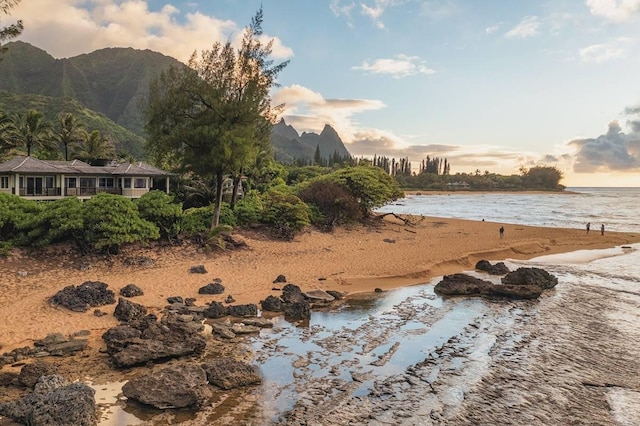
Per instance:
x=289, y=145
x=105, y=89
x=110, y=81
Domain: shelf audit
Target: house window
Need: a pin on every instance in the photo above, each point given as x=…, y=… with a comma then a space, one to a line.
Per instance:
x=71, y=182
x=106, y=182
x=140, y=183
x=127, y=183
x=87, y=183
x=49, y=182
x=4, y=182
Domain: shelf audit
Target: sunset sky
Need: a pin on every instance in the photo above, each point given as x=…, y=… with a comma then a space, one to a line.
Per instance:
x=488, y=84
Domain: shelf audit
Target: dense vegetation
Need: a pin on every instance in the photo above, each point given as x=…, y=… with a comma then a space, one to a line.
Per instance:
x=106, y=221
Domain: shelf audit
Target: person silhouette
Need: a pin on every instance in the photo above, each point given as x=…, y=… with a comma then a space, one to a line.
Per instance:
x=602, y=229
x=502, y=231
x=588, y=226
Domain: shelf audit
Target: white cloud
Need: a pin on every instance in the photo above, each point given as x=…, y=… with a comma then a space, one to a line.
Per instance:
x=528, y=27
x=603, y=52
x=492, y=29
x=400, y=66
x=67, y=28
x=614, y=10
x=374, y=13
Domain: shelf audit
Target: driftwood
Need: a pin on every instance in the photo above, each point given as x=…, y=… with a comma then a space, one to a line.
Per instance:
x=406, y=221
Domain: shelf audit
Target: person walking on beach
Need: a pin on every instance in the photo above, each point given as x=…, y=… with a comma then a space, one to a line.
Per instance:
x=588, y=226
x=602, y=229
x=502, y=231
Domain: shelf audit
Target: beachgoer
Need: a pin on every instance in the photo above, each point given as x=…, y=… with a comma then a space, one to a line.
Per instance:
x=502, y=231
x=588, y=226
x=602, y=229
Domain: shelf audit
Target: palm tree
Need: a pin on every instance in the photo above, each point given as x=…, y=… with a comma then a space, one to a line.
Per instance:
x=31, y=131
x=95, y=147
x=71, y=132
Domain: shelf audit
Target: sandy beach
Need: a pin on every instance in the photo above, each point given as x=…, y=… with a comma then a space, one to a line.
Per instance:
x=388, y=254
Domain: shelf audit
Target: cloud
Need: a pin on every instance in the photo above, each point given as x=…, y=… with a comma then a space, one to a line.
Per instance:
x=603, y=52
x=492, y=29
x=528, y=27
x=340, y=9
x=374, y=12
x=401, y=66
x=613, y=151
x=67, y=28
x=614, y=10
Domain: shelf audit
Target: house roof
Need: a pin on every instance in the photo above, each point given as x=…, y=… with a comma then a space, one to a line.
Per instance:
x=30, y=165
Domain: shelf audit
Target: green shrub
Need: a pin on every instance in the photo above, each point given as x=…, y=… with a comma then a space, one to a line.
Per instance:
x=112, y=220
x=196, y=220
x=371, y=186
x=159, y=209
x=285, y=213
x=15, y=214
x=57, y=221
x=333, y=202
x=248, y=210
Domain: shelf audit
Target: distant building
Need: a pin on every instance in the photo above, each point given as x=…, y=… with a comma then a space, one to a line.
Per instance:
x=50, y=180
x=458, y=185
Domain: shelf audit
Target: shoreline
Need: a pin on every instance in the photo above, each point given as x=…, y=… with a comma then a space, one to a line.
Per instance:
x=355, y=260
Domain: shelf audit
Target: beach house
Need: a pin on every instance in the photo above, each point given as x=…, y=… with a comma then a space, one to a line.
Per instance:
x=50, y=180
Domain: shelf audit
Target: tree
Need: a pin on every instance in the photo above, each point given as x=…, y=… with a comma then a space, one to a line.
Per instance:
x=95, y=147
x=13, y=30
x=542, y=177
x=213, y=117
x=71, y=132
x=31, y=131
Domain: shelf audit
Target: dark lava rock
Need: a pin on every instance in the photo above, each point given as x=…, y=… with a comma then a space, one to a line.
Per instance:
x=147, y=340
x=515, y=291
x=215, y=310
x=250, y=310
x=272, y=304
x=198, y=269
x=58, y=345
x=7, y=377
x=128, y=311
x=131, y=290
x=498, y=269
x=461, y=284
x=80, y=298
x=280, y=279
x=212, y=288
x=531, y=276
x=177, y=386
x=291, y=293
x=175, y=299
x=227, y=373
x=54, y=404
x=30, y=373
x=229, y=299
x=297, y=311
x=190, y=301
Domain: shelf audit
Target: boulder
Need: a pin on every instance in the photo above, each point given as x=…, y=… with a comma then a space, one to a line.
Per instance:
x=88, y=294
x=54, y=403
x=215, y=310
x=128, y=311
x=227, y=373
x=198, y=269
x=272, y=304
x=212, y=288
x=250, y=310
x=498, y=269
x=175, y=299
x=30, y=373
x=222, y=330
x=531, y=276
x=514, y=291
x=176, y=386
x=461, y=284
x=131, y=290
x=297, y=311
x=291, y=293
x=280, y=279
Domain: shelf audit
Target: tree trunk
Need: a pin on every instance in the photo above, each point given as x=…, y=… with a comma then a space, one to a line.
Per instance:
x=216, y=211
x=236, y=186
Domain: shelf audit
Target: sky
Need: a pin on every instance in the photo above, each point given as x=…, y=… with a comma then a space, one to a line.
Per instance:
x=491, y=85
